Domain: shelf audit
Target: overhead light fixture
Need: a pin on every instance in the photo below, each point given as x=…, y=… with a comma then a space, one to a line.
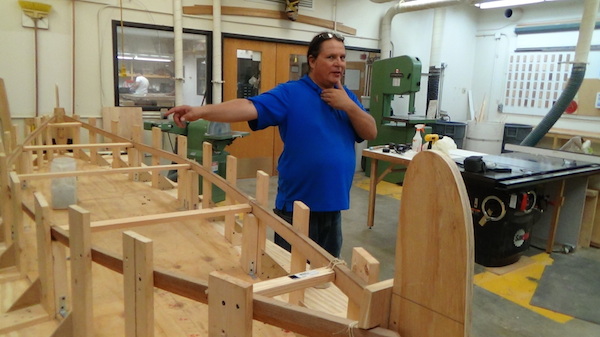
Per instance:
x=505, y=3
x=152, y=59
x=123, y=57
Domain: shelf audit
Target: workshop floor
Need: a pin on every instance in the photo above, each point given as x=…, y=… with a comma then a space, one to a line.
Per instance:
x=501, y=299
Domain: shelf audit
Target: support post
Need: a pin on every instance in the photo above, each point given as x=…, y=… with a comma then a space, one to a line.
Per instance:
x=81, y=271
x=182, y=175
x=157, y=144
x=365, y=266
x=230, y=308
x=44, y=253
x=231, y=176
x=17, y=221
x=298, y=260
x=138, y=283
x=250, y=253
x=93, y=139
x=206, y=185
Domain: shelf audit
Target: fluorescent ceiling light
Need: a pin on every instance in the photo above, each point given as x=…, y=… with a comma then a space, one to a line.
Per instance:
x=505, y=3
x=120, y=57
x=154, y=59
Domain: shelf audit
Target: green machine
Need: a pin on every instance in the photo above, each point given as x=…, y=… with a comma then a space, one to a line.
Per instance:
x=198, y=132
x=390, y=77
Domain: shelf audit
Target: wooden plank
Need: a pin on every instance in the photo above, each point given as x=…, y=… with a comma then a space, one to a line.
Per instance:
x=294, y=282
x=587, y=221
x=30, y=297
x=127, y=118
x=367, y=268
x=298, y=260
x=250, y=252
x=81, y=271
x=76, y=146
x=229, y=227
x=22, y=318
x=65, y=329
x=182, y=145
x=101, y=172
x=230, y=307
x=138, y=285
x=207, y=163
x=156, y=143
x=44, y=253
x=270, y=14
x=17, y=220
x=7, y=257
x=376, y=302
x=145, y=220
x=433, y=273
x=5, y=119
x=262, y=198
x=4, y=203
x=193, y=190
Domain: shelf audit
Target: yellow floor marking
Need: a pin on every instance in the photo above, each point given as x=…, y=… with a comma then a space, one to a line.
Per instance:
x=383, y=188
x=519, y=286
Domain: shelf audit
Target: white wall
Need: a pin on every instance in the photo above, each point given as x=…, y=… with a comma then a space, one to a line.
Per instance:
x=470, y=48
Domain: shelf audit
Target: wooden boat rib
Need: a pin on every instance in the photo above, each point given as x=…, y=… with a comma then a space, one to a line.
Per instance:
x=147, y=256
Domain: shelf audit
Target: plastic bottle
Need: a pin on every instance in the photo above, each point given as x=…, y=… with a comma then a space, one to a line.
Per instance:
x=417, y=140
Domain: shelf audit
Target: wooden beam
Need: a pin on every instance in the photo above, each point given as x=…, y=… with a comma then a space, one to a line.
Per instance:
x=145, y=220
x=76, y=146
x=229, y=227
x=250, y=252
x=294, y=282
x=367, y=268
x=81, y=271
x=138, y=285
x=375, y=305
x=300, y=220
x=269, y=14
x=101, y=172
x=44, y=253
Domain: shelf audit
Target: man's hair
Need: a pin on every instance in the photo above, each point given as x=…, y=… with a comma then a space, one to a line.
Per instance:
x=314, y=47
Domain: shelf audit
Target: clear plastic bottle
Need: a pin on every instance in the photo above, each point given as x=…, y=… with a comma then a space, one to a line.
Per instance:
x=417, y=140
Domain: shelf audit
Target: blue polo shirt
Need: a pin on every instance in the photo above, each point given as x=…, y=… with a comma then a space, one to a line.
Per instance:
x=318, y=159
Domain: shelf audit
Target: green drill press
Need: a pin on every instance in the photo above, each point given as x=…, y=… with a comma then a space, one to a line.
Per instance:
x=219, y=135
x=394, y=76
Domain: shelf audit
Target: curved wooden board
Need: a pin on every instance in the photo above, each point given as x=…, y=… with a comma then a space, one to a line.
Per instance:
x=433, y=278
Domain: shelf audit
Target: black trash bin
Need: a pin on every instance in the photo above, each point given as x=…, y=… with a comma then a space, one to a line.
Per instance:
x=515, y=133
x=454, y=130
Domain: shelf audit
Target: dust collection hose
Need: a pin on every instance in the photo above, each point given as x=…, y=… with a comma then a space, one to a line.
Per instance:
x=577, y=75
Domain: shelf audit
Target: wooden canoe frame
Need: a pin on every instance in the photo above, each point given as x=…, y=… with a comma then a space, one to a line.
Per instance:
x=374, y=308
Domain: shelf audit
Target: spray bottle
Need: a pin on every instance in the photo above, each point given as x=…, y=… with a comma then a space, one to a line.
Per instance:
x=417, y=140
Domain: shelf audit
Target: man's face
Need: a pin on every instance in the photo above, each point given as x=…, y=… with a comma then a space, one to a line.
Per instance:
x=327, y=69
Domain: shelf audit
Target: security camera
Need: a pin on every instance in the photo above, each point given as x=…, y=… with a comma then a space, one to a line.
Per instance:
x=513, y=14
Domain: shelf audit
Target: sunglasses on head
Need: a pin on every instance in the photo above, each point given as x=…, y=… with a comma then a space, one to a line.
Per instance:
x=328, y=35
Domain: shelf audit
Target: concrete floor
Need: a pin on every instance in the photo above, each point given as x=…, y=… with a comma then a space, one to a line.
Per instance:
x=493, y=315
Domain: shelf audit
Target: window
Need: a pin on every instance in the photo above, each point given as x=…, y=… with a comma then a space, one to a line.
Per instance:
x=144, y=66
x=535, y=80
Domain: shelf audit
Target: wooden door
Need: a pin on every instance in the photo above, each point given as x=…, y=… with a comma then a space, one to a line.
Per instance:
x=250, y=68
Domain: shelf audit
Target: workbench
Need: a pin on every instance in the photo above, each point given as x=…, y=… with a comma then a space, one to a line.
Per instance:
x=398, y=162
x=565, y=187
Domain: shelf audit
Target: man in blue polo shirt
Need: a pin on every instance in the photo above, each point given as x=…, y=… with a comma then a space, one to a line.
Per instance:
x=319, y=122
